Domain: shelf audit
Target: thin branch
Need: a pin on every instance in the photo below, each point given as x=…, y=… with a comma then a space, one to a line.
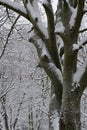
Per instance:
x=85, y=114
x=32, y=28
x=12, y=27
x=76, y=47
x=9, y=89
x=18, y=112
x=83, y=30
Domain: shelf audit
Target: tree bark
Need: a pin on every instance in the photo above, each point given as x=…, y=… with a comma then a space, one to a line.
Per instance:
x=70, y=101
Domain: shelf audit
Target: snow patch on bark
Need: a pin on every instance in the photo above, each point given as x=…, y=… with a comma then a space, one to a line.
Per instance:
x=79, y=73
x=59, y=27
x=73, y=16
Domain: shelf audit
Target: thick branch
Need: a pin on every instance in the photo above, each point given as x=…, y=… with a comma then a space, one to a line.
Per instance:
x=27, y=13
x=15, y=7
x=46, y=62
x=51, y=31
x=78, y=20
x=34, y=18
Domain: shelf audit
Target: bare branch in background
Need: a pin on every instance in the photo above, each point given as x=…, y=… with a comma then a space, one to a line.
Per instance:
x=9, y=34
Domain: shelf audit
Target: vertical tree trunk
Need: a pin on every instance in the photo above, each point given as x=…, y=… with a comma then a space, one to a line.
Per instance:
x=70, y=119
x=70, y=101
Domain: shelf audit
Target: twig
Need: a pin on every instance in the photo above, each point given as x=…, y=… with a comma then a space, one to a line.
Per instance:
x=12, y=27
x=83, y=30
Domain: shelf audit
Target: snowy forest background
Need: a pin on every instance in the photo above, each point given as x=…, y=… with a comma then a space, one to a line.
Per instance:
x=24, y=86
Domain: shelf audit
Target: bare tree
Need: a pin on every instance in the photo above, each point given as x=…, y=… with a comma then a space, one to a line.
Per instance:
x=68, y=80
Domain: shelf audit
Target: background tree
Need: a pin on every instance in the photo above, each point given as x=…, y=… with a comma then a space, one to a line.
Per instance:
x=68, y=79
x=18, y=65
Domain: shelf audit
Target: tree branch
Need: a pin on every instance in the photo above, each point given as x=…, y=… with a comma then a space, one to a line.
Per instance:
x=34, y=19
x=83, y=30
x=12, y=27
x=27, y=13
x=80, y=78
x=77, y=47
x=78, y=19
x=47, y=63
x=52, y=47
x=15, y=7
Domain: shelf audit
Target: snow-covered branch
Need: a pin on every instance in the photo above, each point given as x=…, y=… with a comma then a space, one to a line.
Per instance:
x=80, y=77
x=29, y=13
x=51, y=31
x=38, y=14
x=15, y=7
x=9, y=34
x=49, y=66
x=73, y=17
x=77, y=47
x=78, y=18
x=80, y=71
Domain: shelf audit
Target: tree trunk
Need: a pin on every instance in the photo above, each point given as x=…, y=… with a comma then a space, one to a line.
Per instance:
x=70, y=101
x=70, y=119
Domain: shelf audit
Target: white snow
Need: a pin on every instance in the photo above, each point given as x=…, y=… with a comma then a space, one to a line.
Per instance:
x=59, y=27
x=56, y=71
x=75, y=47
x=45, y=2
x=31, y=10
x=14, y=5
x=79, y=73
x=73, y=16
x=55, y=120
x=81, y=43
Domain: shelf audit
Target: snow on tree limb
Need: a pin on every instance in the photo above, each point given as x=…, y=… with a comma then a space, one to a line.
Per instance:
x=38, y=14
x=47, y=63
x=30, y=11
x=51, y=32
x=73, y=16
x=80, y=71
x=80, y=44
x=78, y=18
x=35, y=20
x=14, y=6
x=22, y=11
x=80, y=77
